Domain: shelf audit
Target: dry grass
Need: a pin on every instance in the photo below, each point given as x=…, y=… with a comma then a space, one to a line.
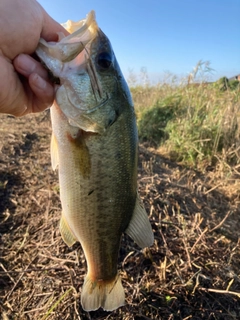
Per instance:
x=191, y=272
x=195, y=123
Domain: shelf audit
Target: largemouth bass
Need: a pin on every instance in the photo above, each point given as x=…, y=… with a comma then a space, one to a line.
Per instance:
x=94, y=145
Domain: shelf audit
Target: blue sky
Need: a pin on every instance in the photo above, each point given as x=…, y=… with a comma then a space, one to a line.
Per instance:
x=163, y=36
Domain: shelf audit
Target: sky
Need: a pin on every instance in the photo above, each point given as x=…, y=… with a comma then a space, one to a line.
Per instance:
x=163, y=36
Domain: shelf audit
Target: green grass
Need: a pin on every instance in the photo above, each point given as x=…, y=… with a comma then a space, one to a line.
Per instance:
x=55, y=305
x=195, y=123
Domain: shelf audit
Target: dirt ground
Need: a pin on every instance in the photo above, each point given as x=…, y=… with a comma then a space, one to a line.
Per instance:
x=191, y=272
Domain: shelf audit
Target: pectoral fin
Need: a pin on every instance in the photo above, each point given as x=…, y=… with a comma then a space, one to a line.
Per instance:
x=139, y=228
x=54, y=152
x=66, y=233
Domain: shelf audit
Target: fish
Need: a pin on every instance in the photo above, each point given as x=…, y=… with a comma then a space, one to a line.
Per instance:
x=94, y=145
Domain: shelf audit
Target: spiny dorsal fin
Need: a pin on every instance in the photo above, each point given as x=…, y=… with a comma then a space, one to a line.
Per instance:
x=139, y=228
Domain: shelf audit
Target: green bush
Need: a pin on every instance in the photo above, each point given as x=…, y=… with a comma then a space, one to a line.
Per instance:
x=154, y=120
x=192, y=119
x=195, y=124
x=234, y=84
x=224, y=84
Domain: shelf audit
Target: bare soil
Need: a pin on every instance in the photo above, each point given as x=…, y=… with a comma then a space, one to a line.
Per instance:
x=191, y=272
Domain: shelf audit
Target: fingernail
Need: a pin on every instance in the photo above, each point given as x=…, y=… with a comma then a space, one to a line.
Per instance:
x=39, y=82
x=26, y=63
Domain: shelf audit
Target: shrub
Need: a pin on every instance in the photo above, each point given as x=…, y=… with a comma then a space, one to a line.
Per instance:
x=197, y=123
x=154, y=120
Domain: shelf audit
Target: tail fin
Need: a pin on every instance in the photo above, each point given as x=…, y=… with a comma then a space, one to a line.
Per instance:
x=108, y=295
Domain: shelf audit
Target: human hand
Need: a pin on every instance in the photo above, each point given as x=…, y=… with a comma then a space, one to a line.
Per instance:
x=24, y=85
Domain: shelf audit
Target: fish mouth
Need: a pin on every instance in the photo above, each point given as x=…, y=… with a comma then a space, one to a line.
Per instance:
x=55, y=54
x=78, y=28
x=68, y=59
x=86, y=31
x=81, y=33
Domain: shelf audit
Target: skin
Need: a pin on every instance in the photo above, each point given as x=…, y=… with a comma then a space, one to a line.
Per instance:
x=24, y=85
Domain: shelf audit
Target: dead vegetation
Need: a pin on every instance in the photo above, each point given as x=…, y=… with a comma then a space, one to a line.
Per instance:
x=191, y=272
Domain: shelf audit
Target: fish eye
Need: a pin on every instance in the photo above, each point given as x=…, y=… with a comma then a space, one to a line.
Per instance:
x=104, y=60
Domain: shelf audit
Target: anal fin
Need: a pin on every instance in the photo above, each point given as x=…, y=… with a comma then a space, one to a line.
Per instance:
x=54, y=152
x=66, y=233
x=139, y=228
